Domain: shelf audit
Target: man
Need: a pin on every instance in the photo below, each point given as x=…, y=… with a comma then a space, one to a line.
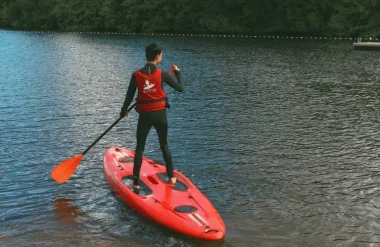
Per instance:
x=151, y=106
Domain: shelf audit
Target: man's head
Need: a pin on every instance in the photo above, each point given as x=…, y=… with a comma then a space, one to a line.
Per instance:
x=153, y=53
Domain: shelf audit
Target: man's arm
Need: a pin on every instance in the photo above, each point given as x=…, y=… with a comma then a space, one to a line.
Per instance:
x=129, y=97
x=179, y=86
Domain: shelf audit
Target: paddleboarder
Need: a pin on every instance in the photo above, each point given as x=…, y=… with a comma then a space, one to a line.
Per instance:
x=151, y=106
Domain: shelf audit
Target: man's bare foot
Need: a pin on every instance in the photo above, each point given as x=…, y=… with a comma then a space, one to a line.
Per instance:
x=173, y=180
x=135, y=186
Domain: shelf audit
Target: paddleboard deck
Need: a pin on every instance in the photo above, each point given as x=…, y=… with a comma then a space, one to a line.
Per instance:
x=180, y=207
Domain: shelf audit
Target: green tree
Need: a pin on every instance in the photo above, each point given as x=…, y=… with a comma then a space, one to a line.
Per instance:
x=352, y=17
x=30, y=14
x=340, y=17
x=112, y=14
x=3, y=13
x=78, y=15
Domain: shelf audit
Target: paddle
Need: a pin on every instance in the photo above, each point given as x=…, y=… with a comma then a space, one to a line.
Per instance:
x=63, y=171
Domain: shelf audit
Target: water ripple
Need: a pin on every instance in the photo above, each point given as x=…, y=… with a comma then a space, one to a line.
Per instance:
x=281, y=136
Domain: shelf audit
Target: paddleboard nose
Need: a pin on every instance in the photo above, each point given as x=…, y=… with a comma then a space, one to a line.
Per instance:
x=213, y=234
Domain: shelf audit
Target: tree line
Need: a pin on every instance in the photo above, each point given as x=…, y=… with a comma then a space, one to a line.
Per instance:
x=318, y=17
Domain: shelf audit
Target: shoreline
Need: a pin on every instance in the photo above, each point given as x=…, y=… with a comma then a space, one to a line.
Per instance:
x=225, y=35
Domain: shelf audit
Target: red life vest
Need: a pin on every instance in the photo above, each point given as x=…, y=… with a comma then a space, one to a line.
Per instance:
x=151, y=96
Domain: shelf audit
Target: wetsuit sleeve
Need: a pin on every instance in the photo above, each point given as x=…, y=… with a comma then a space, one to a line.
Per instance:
x=179, y=86
x=130, y=94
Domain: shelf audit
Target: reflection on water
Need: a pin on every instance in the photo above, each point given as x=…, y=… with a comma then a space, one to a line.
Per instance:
x=65, y=212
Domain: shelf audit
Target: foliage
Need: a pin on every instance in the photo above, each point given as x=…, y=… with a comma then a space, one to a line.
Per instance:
x=319, y=17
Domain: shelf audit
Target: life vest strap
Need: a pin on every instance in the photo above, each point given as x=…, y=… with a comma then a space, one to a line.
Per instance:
x=151, y=101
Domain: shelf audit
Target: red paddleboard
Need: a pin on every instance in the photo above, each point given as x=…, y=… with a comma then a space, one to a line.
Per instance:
x=182, y=207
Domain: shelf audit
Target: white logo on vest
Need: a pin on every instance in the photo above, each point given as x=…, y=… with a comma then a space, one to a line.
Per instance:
x=149, y=87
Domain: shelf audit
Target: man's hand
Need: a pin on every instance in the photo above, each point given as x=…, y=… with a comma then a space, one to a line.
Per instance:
x=123, y=114
x=174, y=68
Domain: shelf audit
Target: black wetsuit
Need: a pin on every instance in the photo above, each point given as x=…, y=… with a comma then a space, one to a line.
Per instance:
x=147, y=120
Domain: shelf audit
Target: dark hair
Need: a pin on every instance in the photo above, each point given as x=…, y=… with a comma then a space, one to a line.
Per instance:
x=151, y=51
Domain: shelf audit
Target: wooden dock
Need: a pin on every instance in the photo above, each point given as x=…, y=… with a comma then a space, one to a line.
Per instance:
x=367, y=46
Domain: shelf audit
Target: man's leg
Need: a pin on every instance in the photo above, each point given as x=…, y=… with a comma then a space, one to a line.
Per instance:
x=143, y=127
x=161, y=126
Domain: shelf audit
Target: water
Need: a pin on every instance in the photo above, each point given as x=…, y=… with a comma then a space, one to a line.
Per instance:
x=282, y=136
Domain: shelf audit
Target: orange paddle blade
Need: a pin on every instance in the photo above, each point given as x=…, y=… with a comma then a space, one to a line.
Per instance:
x=62, y=172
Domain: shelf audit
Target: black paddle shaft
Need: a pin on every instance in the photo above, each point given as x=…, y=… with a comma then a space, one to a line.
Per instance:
x=105, y=132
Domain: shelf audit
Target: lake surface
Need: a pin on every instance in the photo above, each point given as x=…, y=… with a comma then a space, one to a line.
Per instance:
x=282, y=136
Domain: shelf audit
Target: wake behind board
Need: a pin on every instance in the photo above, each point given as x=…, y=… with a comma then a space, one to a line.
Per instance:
x=182, y=207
